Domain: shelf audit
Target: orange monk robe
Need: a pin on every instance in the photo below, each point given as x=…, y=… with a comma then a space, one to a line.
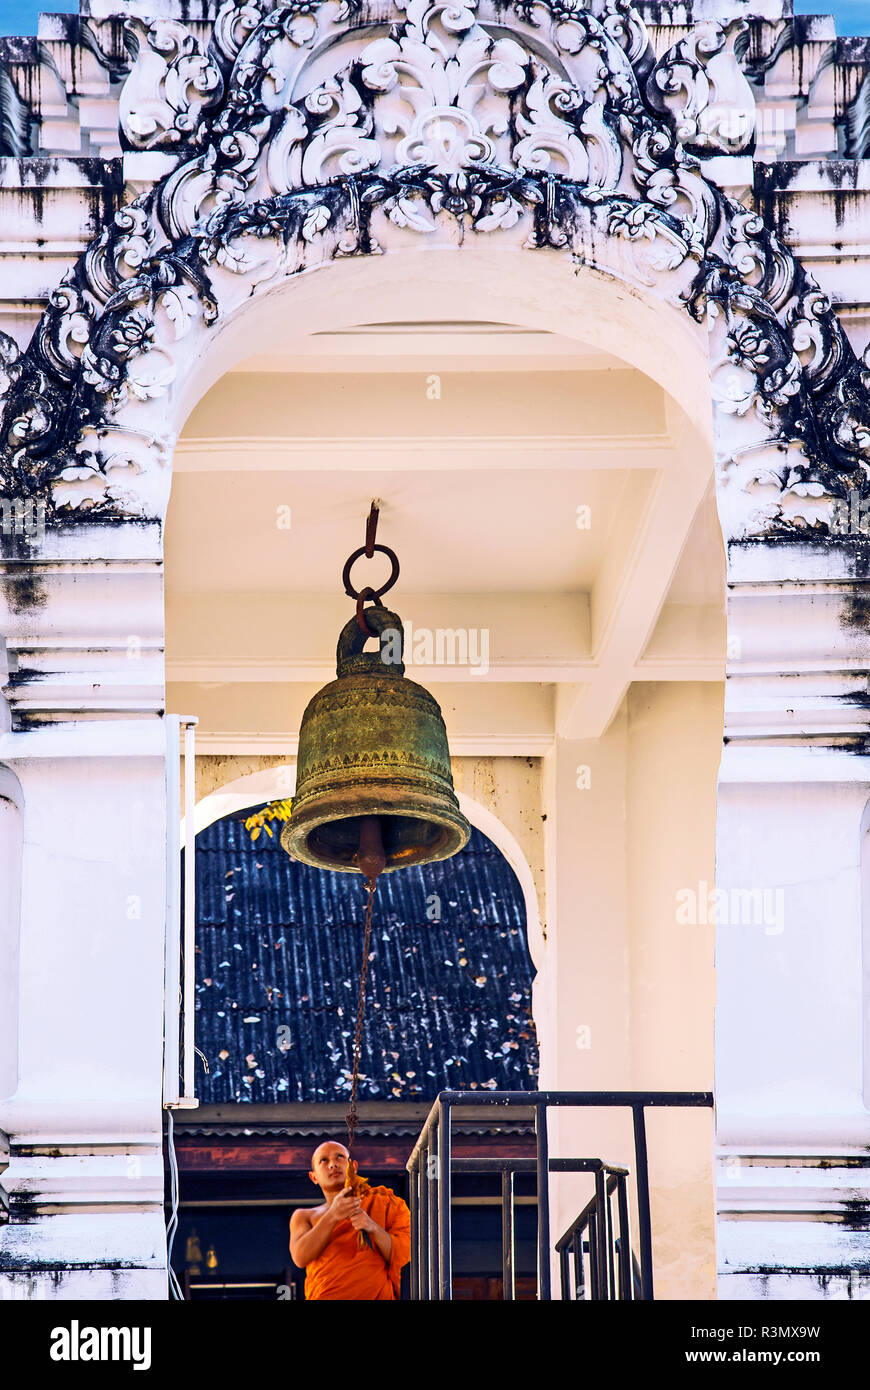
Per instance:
x=346, y=1272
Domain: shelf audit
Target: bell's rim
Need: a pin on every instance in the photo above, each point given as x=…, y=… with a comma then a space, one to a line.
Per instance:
x=380, y=777
x=296, y=833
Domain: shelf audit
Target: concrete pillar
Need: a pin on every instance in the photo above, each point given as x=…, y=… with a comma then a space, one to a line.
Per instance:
x=84, y=808
x=791, y=1023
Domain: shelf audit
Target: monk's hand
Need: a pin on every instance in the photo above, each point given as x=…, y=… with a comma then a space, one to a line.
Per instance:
x=346, y=1206
x=361, y=1221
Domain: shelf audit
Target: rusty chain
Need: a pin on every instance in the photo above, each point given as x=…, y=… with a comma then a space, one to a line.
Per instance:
x=368, y=594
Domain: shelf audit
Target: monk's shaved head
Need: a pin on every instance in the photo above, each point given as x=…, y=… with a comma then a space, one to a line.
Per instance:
x=323, y=1149
x=331, y=1165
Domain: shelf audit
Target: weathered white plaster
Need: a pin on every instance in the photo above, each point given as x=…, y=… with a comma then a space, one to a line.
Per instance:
x=83, y=620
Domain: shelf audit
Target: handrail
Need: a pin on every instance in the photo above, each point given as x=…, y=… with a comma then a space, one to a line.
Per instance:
x=602, y=1242
x=580, y=1222
x=431, y=1165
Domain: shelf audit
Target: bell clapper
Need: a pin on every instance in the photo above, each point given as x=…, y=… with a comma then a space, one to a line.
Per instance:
x=371, y=857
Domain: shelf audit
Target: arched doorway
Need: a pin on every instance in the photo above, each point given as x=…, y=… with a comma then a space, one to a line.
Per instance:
x=449, y=1007
x=269, y=927
x=544, y=737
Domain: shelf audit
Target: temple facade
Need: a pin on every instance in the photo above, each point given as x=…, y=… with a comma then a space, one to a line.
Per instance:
x=580, y=291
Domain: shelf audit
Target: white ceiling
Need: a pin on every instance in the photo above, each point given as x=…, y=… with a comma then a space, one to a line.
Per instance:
x=470, y=532
x=479, y=491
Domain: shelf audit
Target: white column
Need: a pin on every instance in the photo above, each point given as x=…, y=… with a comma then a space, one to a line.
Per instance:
x=84, y=1184
x=793, y=1127
x=586, y=1011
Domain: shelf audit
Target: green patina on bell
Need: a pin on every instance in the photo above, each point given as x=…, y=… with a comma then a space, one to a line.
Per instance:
x=373, y=745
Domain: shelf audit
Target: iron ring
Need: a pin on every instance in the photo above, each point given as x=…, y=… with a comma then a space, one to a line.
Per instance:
x=361, y=598
x=374, y=593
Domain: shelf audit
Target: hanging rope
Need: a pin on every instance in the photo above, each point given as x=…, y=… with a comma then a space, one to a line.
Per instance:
x=372, y=884
x=359, y=1185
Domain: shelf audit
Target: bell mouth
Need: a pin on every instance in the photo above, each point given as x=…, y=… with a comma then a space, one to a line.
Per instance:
x=330, y=842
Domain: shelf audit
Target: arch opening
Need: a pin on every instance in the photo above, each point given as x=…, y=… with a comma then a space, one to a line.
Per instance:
x=568, y=630
x=278, y=945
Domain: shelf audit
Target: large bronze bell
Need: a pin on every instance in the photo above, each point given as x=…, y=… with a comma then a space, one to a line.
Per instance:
x=373, y=779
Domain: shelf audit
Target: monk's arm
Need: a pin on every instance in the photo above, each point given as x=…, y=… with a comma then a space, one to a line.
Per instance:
x=394, y=1242
x=381, y=1239
x=307, y=1241
x=399, y=1221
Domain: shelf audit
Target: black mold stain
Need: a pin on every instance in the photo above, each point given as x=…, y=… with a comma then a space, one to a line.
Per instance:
x=22, y=1210
x=823, y=1273
x=856, y=552
x=773, y=192
x=22, y=584
x=855, y=613
x=856, y=1214
x=858, y=698
x=23, y=1264
x=770, y=182
x=21, y=51
x=32, y=721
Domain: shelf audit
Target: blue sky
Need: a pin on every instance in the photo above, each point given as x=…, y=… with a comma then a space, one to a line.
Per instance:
x=19, y=16
x=852, y=16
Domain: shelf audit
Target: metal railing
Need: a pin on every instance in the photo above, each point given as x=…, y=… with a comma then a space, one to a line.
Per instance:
x=432, y=1165
x=611, y=1260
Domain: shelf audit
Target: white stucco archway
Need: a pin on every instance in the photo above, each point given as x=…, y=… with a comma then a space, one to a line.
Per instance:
x=439, y=279
x=572, y=144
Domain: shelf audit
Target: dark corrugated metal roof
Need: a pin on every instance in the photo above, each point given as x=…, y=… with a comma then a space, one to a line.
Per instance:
x=278, y=961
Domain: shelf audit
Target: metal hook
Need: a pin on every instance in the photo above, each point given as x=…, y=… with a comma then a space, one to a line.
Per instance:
x=372, y=527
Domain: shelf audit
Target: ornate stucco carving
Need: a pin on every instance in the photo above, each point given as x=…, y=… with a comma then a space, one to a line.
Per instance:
x=306, y=125
x=171, y=85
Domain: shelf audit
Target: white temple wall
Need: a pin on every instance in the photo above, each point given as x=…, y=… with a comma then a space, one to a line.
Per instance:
x=85, y=1175
x=10, y=926
x=791, y=1022
x=82, y=1119
x=85, y=690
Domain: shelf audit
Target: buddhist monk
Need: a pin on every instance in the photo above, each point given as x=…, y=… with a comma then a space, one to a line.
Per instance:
x=325, y=1241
